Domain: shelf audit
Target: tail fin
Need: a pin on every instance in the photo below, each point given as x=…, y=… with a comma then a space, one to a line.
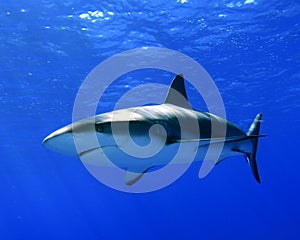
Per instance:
x=251, y=157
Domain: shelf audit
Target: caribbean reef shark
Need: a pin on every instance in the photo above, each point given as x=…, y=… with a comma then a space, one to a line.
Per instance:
x=160, y=128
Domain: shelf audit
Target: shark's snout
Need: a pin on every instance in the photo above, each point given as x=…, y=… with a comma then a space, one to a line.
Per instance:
x=61, y=141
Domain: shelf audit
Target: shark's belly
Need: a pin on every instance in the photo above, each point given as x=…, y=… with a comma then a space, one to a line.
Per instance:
x=169, y=154
x=175, y=153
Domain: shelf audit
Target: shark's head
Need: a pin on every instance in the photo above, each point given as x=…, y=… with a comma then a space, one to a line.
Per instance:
x=68, y=140
x=101, y=131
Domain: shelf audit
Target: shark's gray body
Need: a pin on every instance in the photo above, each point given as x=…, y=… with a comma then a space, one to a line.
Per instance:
x=140, y=119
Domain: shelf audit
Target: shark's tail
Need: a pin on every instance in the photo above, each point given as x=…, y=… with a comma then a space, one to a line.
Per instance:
x=251, y=156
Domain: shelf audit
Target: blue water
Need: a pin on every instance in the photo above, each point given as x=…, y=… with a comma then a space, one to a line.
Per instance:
x=250, y=48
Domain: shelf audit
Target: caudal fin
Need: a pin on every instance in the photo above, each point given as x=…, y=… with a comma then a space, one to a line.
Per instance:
x=251, y=157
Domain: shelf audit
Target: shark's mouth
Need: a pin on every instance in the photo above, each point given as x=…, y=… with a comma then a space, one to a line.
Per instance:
x=83, y=153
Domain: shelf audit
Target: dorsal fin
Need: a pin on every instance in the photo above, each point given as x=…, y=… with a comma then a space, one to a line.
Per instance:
x=177, y=87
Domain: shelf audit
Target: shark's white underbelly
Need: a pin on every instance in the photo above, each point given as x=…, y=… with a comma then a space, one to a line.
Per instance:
x=170, y=154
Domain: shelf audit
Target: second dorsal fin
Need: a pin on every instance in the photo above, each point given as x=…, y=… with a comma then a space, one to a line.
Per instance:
x=176, y=89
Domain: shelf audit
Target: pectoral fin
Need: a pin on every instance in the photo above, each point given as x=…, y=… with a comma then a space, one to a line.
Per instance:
x=132, y=176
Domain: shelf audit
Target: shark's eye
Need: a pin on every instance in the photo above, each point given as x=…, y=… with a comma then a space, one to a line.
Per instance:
x=99, y=128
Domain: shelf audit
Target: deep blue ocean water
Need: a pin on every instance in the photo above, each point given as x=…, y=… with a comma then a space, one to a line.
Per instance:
x=250, y=48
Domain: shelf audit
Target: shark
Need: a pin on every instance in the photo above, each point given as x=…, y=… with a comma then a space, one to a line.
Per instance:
x=153, y=134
